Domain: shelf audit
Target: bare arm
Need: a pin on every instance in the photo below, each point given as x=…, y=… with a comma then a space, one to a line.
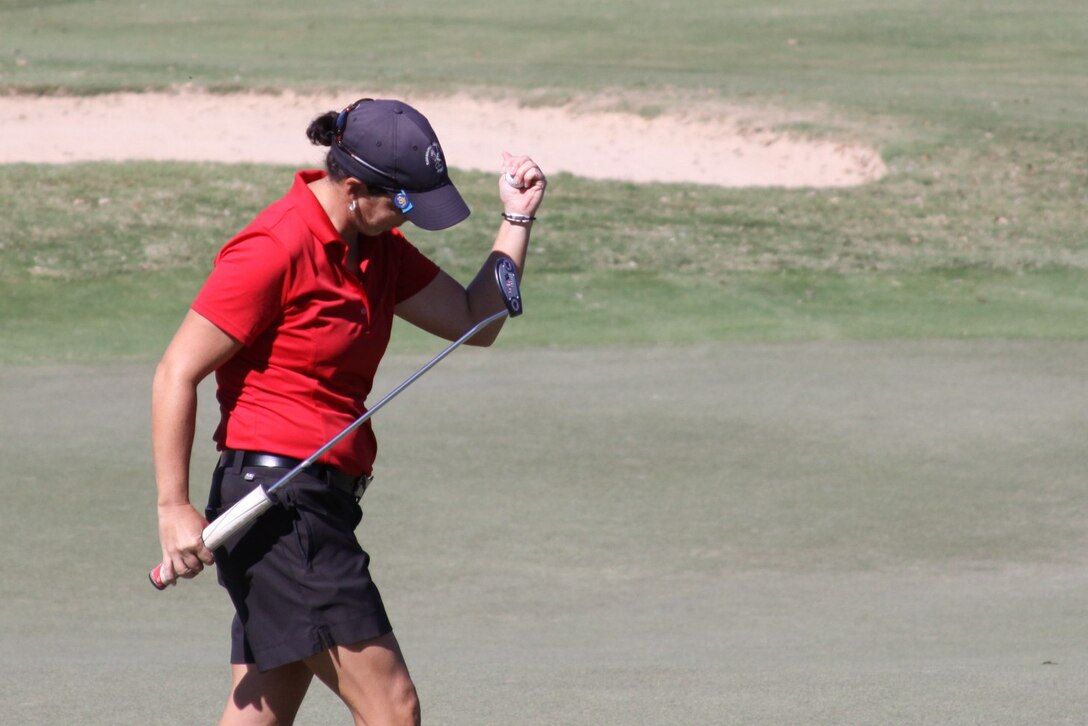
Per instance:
x=198, y=348
x=447, y=309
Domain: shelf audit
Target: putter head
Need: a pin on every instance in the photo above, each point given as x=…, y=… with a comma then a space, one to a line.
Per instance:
x=506, y=275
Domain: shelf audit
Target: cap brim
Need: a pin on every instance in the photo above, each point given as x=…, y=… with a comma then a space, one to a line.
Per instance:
x=437, y=209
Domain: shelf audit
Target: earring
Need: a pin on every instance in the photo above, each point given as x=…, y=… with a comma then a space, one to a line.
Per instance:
x=353, y=206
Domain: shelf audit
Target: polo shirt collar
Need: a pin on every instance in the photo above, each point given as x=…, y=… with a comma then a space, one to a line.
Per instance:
x=312, y=212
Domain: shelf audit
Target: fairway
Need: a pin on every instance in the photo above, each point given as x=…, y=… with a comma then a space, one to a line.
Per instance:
x=818, y=533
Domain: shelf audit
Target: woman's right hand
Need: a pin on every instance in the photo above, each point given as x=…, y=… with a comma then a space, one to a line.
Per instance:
x=183, y=552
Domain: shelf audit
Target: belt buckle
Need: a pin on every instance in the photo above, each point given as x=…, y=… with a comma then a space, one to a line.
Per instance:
x=361, y=485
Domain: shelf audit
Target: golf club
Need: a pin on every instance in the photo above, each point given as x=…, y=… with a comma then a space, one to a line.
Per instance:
x=251, y=506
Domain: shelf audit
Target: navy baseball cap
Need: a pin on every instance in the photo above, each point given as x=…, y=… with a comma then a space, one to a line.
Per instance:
x=390, y=145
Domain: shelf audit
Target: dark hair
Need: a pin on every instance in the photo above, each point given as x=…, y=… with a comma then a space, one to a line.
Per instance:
x=322, y=132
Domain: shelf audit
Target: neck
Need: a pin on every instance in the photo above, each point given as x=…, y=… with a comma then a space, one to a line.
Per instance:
x=334, y=199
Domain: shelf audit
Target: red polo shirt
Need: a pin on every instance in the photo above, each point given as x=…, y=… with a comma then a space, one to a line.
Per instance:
x=312, y=335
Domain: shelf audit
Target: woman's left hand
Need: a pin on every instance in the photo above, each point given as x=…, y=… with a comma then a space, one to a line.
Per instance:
x=522, y=185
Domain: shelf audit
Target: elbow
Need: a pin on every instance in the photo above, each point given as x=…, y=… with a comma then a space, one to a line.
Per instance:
x=487, y=336
x=165, y=379
x=163, y=374
x=488, y=333
x=482, y=340
x=174, y=372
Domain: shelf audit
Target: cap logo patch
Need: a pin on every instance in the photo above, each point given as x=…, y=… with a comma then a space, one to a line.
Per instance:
x=403, y=203
x=433, y=157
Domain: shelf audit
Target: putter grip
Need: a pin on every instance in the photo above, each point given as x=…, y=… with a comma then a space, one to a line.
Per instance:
x=226, y=525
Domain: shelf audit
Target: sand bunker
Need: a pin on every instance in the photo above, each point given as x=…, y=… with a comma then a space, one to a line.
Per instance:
x=191, y=126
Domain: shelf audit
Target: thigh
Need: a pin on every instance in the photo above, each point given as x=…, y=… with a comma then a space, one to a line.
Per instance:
x=372, y=679
x=299, y=580
x=270, y=698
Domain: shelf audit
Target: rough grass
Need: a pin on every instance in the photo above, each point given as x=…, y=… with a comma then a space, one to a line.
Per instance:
x=1004, y=210
x=978, y=110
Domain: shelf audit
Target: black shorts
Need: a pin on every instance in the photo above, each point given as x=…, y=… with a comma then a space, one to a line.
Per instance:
x=299, y=579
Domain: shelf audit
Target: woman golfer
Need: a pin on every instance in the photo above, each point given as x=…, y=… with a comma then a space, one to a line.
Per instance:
x=294, y=320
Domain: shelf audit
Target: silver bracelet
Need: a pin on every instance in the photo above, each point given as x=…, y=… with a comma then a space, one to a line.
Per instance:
x=517, y=218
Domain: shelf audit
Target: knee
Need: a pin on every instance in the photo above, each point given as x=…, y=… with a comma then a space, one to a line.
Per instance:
x=406, y=706
x=397, y=706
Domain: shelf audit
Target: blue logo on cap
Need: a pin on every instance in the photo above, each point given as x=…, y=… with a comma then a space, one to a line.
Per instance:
x=404, y=204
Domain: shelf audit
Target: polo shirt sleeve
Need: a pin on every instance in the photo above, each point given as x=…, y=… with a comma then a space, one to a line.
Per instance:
x=416, y=269
x=246, y=290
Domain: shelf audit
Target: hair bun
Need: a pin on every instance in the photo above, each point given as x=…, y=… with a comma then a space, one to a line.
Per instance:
x=322, y=130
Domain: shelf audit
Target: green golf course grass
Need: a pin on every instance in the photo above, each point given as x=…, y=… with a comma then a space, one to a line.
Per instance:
x=750, y=457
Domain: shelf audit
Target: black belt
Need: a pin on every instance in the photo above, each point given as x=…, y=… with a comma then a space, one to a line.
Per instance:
x=353, y=485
